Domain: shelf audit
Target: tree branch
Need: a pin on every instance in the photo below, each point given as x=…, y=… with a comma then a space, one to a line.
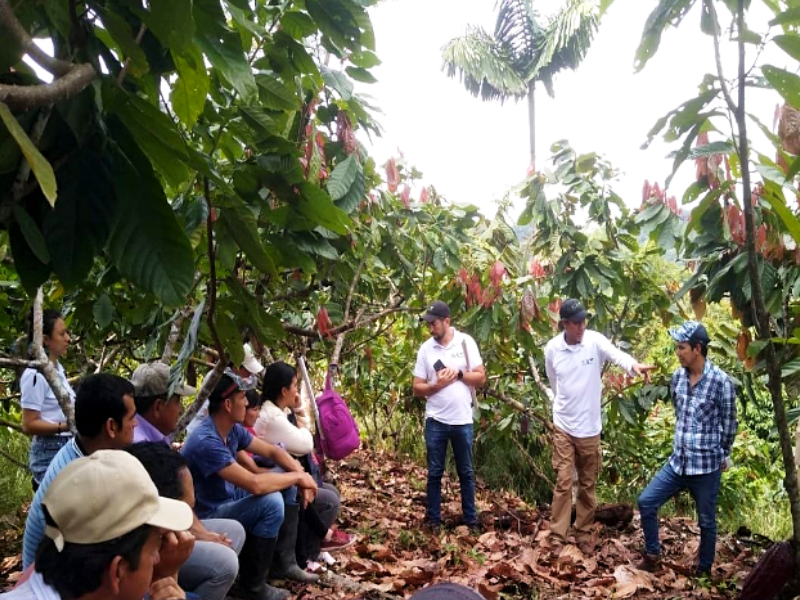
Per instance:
x=212, y=276
x=124, y=71
x=709, y=4
x=14, y=461
x=54, y=66
x=311, y=333
x=27, y=97
x=519, y=407
x=337, y=349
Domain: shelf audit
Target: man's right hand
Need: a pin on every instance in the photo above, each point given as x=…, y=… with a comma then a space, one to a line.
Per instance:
x=166, y=588
x=445, y=377
x=307, y=482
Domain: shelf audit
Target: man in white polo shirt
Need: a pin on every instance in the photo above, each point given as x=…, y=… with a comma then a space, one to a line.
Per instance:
x=574, y=360
x=448, y=366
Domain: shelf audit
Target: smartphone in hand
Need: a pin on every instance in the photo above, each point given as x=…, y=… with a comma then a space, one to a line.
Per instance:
x=438, y=365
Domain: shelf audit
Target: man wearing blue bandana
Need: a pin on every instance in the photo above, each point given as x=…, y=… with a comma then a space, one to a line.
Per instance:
x=705, y=408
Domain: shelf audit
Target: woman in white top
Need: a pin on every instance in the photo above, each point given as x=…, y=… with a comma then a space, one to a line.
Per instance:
x=282, y=400
x=41, y=414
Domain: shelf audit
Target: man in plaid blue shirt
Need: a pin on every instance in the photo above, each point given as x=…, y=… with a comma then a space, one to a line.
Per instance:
x=705, y=407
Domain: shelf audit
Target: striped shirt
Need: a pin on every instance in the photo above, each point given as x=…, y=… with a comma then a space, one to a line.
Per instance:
x=706, y=420
x=34, y=526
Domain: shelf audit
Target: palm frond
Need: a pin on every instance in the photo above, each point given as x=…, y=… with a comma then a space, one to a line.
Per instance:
x=566, y=40
x=483, y=66
x=518, y=33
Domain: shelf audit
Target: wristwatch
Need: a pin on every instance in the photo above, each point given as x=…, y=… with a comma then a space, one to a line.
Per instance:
x=460, y=374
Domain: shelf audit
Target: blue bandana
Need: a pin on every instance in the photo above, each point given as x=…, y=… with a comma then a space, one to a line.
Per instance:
x=690, y=331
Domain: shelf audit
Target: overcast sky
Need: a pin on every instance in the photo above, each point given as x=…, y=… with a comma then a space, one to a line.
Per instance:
x=474, y=151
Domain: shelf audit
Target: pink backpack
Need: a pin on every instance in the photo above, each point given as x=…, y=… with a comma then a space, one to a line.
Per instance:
x=337, y=427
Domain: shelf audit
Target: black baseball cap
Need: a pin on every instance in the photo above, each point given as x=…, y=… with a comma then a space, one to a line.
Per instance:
x=437, y=310
x=572, y=310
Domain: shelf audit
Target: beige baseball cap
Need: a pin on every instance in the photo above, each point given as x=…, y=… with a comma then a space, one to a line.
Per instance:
x=106, y=495
x=152, y=379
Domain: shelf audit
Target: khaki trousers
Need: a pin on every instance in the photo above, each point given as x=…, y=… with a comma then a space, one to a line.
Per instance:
x=571, y=454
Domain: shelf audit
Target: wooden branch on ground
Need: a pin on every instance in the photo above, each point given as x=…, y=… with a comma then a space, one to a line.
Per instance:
x=520, y=408
x=48, y=369
x=342, y=582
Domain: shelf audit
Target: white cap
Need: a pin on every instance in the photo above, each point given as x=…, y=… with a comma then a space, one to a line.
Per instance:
x=106, y=495
x=250, y=362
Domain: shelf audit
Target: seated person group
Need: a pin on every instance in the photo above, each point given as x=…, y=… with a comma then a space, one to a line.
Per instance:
x=241, y=504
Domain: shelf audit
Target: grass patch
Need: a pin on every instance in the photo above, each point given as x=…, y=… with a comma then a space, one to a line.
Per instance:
x=15, y=482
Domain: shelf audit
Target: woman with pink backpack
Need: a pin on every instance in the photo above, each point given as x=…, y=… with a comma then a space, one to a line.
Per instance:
x=283, y=421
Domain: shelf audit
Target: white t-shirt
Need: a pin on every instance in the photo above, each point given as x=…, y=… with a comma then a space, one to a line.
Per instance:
x=574, y=372
x=451, y=405
x=37, y=395
x=33, y=589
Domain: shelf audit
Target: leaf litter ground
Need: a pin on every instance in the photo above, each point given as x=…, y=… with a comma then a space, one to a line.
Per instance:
x=383, y=500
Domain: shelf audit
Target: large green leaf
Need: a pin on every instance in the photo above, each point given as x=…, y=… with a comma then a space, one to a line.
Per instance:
x=342, y=177
x=32, y=272
x=338, y=20
x=338, y=81
x=121, y=33
x=785, y=83
x=103, y=311
x=789, y=43
x=774, y=198
x=274, y=94
x=317, y=206
x=39, y=165
x=147, y=244
x=154, y=131
x=223, y=47
x=267, y=327
x=170, y=20
x=667, y=12
x=77, y=228
x=350, y=201
x=190, y=88
x=298, y=24
x=33, y=235
x=787, y=17
x=230, y=337
x=239, y=222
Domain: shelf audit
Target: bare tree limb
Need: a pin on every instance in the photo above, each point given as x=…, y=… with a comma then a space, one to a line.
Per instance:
x=174, y=334
x=208, y=386
x=124, y=71
x=519, y=407
x=54, y=66
x=337, y=349
x=10, y=425
x=14, y=461
x=538, y=379
x=310, y=333
x=27, y=97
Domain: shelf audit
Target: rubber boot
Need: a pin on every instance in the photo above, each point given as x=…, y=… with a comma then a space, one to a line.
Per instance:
x=284, y=565
x=254, y=562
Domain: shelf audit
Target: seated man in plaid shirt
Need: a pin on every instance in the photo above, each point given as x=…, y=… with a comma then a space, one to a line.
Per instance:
x=705, y=409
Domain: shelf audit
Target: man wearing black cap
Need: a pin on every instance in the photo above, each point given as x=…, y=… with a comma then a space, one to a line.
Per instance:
x=705, y=427
x=574, y=360
x=448, y=366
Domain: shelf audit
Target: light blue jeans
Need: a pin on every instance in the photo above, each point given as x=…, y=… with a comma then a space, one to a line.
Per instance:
x=43, y=450
x=212, y=568
x=261, y=516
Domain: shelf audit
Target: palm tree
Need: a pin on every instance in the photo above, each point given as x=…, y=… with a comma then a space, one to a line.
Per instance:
x=521, y=52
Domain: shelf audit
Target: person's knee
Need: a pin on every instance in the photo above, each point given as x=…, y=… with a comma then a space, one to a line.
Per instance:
x=236, y=534
x=271, y=515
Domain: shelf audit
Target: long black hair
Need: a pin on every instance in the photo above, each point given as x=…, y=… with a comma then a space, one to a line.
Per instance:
x=278, y=375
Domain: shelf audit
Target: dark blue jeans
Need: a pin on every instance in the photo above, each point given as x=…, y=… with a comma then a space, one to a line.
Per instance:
x=261, y=516
x=703, y=488
x=460, y=437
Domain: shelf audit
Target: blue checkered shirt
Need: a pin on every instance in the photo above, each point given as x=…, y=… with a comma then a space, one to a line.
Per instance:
x=706, y=420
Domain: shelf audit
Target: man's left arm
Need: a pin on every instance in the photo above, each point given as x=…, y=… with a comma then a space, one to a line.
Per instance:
x=728, y=415
x=476, y=376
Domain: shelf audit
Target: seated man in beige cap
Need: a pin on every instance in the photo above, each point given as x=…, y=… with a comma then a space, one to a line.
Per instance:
x=105, y=525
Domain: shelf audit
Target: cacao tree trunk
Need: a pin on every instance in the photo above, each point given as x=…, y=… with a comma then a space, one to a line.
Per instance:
x=774, y=384
x=532, y=123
